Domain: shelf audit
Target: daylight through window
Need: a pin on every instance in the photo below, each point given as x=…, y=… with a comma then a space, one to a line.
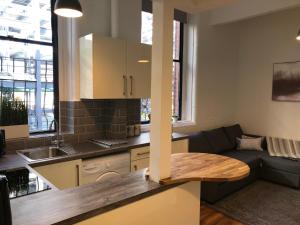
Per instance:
x=146, y=38
x=26, y=58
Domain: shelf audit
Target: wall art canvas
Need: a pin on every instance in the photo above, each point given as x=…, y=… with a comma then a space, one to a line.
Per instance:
x=286, y=81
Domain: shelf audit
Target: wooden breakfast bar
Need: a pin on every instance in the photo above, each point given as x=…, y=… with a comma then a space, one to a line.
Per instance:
x=205, y=167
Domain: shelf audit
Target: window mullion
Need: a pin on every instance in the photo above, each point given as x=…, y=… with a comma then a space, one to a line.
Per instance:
x=27, y=41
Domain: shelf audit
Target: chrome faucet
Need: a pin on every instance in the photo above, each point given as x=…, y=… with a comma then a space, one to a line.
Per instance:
x=57, y=143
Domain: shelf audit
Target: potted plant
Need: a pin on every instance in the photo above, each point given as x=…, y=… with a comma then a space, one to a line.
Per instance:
x=13, y=117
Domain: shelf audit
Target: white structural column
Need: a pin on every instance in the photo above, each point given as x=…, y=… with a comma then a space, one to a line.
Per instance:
x=161, y=90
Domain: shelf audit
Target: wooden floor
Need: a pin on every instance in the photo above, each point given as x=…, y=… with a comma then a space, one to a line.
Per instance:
x=211, y=217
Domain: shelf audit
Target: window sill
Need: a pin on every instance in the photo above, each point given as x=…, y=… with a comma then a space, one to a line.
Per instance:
x=45, y=135
x=182, y=123
x=48, y=135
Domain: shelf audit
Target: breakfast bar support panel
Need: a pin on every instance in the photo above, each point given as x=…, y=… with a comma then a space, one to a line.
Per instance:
x=161, y=90
x=176, y=206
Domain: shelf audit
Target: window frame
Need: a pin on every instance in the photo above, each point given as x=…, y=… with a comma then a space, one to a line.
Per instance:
x=54, y=45
x=180, y=61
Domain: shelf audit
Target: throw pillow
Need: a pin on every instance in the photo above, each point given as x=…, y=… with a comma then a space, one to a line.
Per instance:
x=264, y=144
x=249, y=144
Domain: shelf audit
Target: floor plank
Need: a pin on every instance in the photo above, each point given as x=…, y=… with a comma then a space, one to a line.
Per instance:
x=210, y=216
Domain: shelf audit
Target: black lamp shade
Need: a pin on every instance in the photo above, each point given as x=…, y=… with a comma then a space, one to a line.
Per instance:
x=68, y=8
x=298, y=36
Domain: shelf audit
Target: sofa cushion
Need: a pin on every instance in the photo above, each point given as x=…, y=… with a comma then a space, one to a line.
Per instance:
x=250, y=157
x=233, y=132
x=199, y=143
x=264, y=144
x=283, y=164
x=218, y=140
x=249, y=143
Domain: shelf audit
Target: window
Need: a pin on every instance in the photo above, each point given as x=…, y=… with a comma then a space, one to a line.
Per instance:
x=28, y=58
x=146, y=38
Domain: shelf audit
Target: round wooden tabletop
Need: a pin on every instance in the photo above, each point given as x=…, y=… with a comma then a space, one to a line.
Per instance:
x=205, y=167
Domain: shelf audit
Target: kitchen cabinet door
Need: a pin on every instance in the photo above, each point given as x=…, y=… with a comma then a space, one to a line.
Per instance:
x=140, y=153
x=138, y=70
x=140, y=164
x=62, y=175
x=102, y=68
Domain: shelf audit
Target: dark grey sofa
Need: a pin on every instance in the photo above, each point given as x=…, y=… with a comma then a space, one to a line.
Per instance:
x=223, y=141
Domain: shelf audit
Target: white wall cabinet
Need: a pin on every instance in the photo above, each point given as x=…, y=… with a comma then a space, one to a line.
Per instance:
x=138, y=73
x=62, y=175
x=140, y=156
x=110, y=68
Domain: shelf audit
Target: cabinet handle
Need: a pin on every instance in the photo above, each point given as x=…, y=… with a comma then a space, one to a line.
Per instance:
x=144, y=153
x=125, y=85
x=78, y=171
x=131, y=83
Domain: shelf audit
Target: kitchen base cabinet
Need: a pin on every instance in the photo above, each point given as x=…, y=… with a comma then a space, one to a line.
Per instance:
x=139, y=164
x=105, y=168
x=62, y=175
x=140, y=156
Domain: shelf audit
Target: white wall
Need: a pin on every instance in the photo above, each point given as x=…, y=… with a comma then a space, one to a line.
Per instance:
x=96, y=17
x=215, y=80
x=245, y=9
x=217, y=58
x=264, y=41
x=130, y=20
x=235, y=71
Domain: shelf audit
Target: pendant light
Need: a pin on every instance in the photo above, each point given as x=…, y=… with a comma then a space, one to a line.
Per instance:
x=68, y=8
x=298, y=36
x=144, y=58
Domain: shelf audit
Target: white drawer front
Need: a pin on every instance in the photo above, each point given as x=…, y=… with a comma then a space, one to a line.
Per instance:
x=139, y=164
x=140, y=153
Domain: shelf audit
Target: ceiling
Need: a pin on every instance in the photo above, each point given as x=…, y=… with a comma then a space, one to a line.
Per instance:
x=195, y=6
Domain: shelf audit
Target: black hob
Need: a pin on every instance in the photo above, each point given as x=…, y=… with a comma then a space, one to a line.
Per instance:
x=23, y=182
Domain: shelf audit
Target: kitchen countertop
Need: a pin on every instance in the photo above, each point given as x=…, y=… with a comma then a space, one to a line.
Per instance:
x=82, y=151
x=13, y=161
x=74, y=205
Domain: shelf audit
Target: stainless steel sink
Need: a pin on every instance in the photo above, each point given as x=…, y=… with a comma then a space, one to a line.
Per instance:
x=42, y=153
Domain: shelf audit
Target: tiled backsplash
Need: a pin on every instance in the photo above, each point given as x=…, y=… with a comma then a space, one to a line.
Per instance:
x=99, y=118
x=82, y=120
